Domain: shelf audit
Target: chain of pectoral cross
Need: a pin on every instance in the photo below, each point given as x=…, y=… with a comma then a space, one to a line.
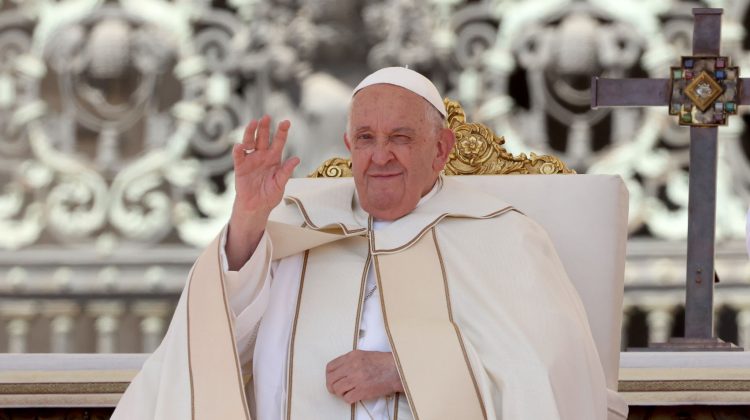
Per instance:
x=704, y=91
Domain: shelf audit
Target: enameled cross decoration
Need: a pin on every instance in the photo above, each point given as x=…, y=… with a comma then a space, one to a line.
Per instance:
x=702, y=92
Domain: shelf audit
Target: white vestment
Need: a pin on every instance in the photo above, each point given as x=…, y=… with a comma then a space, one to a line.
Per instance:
x=524, y=331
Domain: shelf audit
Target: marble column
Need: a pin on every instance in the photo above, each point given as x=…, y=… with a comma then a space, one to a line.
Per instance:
x=743, y=327
x=153, y=322
x=62, y=324
x=106, y=324
x=19, y=315
x=659, y=320
x=624, y=328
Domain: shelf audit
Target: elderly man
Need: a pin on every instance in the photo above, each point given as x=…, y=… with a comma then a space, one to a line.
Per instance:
x=401, y=294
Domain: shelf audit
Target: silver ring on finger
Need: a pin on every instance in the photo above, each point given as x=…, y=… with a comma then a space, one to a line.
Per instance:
x=248, y=151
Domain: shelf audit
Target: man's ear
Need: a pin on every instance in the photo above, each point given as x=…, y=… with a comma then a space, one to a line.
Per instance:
x=446, y=140
x=347, y=144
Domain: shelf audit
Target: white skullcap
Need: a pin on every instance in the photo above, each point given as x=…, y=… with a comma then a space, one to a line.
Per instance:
x=407, y=79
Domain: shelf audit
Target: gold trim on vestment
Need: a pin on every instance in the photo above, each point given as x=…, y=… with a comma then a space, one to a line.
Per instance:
x=324, y=326
x=458, y=331
x=204, y=271
x=371, y=237
x=290, y=361
x=190, y=364
x=447, y=332
x=312, y=225
x=360, y=307
x=413, y=329
x=429, y=226
x=399, y=368
x=289, y=240
x=228, y=313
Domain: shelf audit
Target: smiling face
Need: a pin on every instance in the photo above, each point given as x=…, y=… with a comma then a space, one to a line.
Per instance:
x=398, y=146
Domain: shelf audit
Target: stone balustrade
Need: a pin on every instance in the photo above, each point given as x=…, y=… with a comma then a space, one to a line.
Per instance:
x=124, y=305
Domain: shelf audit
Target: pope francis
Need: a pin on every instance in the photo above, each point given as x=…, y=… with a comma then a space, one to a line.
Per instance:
x=399, y=294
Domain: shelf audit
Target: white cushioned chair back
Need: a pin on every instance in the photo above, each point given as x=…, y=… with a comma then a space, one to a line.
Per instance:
x=586, y=217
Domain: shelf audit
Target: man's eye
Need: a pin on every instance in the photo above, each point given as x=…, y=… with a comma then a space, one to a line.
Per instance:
x=364, y=137
x=400, y=139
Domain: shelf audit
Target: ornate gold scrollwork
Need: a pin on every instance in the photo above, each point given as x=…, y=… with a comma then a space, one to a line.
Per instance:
x=478, y=151
x=333, y=168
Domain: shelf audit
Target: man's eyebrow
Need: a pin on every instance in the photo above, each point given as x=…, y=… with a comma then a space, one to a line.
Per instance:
x=407, y=130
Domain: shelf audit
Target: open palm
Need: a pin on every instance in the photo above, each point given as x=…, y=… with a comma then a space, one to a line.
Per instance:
x=259, y=173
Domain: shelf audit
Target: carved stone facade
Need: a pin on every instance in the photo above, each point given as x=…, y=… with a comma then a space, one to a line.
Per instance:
x=117, y=119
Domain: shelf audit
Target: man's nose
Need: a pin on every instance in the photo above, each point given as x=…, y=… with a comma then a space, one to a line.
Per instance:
x=382, y=153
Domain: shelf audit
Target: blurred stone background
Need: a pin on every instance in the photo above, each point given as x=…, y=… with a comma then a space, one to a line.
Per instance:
x=117, y=120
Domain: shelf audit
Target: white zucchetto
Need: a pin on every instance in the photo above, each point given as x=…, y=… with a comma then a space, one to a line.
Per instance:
x=407, y=79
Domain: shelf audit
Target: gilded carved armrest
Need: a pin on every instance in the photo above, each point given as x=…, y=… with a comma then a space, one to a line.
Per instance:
x=333, y=168
x=478, y=151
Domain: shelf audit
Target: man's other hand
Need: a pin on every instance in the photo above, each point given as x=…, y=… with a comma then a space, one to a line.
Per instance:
x=363, y=375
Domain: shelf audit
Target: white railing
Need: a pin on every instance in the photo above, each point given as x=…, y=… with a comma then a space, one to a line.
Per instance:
x=40, y=313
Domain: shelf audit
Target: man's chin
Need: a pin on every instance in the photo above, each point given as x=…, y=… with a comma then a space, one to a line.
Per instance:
x=380, y=202
x=385, y=206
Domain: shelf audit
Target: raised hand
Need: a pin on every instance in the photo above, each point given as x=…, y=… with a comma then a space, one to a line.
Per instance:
x=259, y=174
x=259, y=180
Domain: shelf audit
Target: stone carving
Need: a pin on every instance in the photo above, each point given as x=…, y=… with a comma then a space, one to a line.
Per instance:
x=123, y=132
x=119, y=123
x=117, y=117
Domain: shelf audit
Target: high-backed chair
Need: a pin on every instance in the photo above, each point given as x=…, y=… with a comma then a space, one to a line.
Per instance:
x=585, y=215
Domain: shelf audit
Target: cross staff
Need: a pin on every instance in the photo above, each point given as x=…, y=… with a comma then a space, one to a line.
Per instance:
x=699, y=333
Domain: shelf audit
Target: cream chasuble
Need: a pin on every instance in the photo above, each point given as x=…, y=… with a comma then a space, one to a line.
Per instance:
x=481, y=318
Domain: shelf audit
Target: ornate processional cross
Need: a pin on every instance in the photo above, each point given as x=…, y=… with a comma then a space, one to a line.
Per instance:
x=702, y=92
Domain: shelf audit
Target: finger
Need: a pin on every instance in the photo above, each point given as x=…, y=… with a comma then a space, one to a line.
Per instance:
x=342, y=386
x=248, y=139
x=279, y=138
x=263, y=134
x=238, y=154
x=332, y=378
x=237, y=150
x=285, y=172
x=352, y=396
